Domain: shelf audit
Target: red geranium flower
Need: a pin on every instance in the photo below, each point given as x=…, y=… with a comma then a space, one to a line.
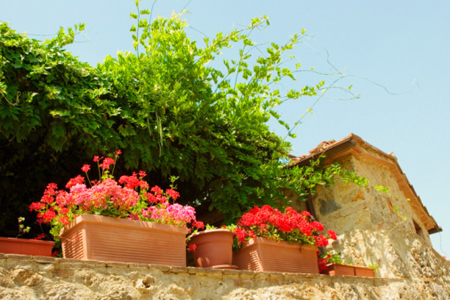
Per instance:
x=173, y=194
x=332, y=234
x=192, y=247
x=271, y=223
x=156, y=189
x=85, y=168
x=40, y=237
x=107, y=162
x=198, y=224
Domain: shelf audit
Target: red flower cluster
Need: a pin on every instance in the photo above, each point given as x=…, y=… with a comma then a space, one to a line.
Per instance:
x=107, y=162
x=192, y=247
x=198, y=224
x=72, y=182
x=332, y=234
x=132, y=181
x=322, y=261
x=289, y=226
x=325, y=259
x=40, y=237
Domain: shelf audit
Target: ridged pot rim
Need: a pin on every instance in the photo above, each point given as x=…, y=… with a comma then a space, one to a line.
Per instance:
x=89, y=218
x=25, y=241
x=338, y=264
x=262, y=240
x=362, y=267
x=219, y=230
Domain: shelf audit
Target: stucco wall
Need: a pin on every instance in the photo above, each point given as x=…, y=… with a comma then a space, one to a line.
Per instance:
x=26, y=277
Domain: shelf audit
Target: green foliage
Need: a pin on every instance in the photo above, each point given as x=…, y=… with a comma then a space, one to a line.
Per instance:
x=166, y=108
x=333, y=258
x=383, y=189
x=207, y=126
x=53, y=111
x=44, y=87
x=22, y=228
x=305, y=180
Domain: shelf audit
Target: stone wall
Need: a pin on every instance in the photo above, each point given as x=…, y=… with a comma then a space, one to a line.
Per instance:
x=27, y=277
x=345, y=206
x=367, y=226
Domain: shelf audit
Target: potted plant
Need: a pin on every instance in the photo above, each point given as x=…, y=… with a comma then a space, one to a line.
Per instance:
x=26, y=246
x=212, y=248
x=332, y=265
x=122, y=220
x=279, y=241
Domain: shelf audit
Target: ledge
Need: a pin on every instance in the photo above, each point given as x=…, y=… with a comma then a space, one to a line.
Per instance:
x=34, y=277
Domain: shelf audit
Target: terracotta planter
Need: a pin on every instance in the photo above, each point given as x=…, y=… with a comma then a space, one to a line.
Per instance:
x=27, y=247
x=214, y=248
x=340, y=269
x=364, y=272
x=122, y=240
x=261, y=254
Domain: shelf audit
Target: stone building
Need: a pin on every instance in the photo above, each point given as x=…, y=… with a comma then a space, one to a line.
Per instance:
x=370, y=221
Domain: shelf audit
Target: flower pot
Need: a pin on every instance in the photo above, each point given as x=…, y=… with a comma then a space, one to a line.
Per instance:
x=340, y=269
x=27, y=247
x=364, y=271
x=122, y=240
x=260, y=254
x=214, y=248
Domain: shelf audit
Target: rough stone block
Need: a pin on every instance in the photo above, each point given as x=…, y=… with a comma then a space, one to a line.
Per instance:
x=19, y=257
x=328, y=206
x=178, y=270
x=161, y=268
x=138, y=266
x=45, y=260
x=349, y=210
x=118, y=265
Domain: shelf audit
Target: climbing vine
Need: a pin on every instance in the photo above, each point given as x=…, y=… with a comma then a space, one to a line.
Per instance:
x=165, y=107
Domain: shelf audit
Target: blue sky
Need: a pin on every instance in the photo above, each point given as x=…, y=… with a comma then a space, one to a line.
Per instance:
x=398, y=52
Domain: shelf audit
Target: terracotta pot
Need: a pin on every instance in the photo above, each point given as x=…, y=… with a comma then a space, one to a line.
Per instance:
x=364, y=272
x=266, y=255
x=214, y=248
x=340, y=269
x=122, y=240
x=27, y=247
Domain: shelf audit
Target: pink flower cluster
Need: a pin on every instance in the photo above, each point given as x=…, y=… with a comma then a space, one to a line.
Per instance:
x=128, y=198
x=164, y=212
x=101, y=195
x=289, y=226
x=175, y=214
